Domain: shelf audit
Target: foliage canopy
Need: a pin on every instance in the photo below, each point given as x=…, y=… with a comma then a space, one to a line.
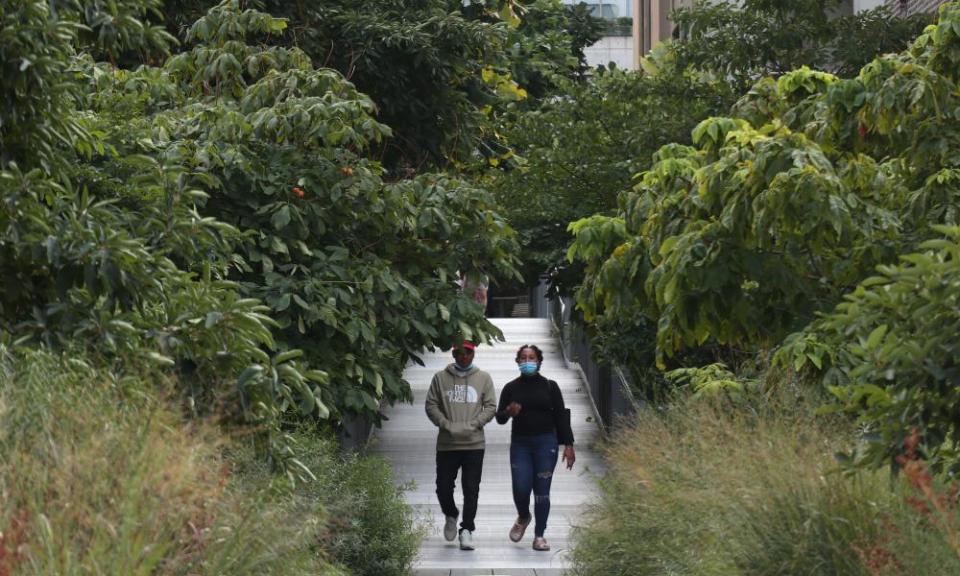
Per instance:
x=776, y=213
x=582, y=147
x=220, y=215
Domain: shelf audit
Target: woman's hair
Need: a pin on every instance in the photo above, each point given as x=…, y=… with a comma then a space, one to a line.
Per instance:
x=536, y=351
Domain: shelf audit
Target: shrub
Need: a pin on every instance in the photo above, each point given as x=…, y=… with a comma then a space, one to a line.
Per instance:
x=358, y=268
x=375, y=532
x=889, y=349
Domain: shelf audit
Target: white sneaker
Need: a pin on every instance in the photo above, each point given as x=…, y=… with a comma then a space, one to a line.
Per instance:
x=450, y=528
x=466, y=539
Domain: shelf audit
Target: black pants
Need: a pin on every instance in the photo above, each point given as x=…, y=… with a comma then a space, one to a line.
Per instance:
x=448, y=463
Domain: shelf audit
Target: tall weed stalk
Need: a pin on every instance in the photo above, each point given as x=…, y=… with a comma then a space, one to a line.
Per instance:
x=752, y=488
x=99, y=475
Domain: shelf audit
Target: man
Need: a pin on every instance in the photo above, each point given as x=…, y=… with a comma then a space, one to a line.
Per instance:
x=461, y=401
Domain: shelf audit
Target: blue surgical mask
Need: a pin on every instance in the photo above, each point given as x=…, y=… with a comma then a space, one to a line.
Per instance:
x=528, y=368
x=462, y=368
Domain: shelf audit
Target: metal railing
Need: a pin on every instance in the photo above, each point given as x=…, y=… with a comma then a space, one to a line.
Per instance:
x=508, y=306
x=354, y=433
x=608, y=387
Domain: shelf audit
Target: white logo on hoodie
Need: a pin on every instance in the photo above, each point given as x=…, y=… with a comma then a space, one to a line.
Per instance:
x=462, y=394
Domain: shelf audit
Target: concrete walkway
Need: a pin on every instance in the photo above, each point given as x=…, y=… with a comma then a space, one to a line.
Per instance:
x=408, y=441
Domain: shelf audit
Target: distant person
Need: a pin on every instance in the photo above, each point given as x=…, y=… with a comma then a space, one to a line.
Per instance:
x=475, y=286
x=541, y=423
x=461, y=401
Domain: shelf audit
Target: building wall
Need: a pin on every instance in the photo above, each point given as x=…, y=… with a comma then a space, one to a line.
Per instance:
x=861, y=5
x=653, y=24
x=616, y=49
x=654, y=20
x=607, y=8
x=907, y=7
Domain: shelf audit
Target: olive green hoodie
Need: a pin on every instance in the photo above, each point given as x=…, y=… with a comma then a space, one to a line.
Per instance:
x=461, y=404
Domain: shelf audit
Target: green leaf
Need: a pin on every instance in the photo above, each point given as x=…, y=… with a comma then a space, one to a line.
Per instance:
x=508, y=15
x=302, y=303
x=281, y=218
x=876, y=336
x=248, y=374
x=322, y=411
x=160, y=359
x=287, y=356
x=318, y=376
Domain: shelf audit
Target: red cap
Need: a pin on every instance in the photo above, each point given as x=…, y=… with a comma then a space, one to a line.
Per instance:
x=468, y=345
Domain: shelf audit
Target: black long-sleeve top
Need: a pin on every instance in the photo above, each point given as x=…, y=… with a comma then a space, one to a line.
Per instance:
x=541, y=408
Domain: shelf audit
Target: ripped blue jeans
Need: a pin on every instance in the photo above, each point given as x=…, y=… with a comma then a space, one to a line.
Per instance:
x=532, y=462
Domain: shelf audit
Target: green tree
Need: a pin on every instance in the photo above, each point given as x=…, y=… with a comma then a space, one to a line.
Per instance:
x=888, y=353
x=581, y=149
x=743, y=43
x=358, y=272
x=220, y=216
x=427, y=65
x=774, y=215
x=546, y=48
x=102, y=250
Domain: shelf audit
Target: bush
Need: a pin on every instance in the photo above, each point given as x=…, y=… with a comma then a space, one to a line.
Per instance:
x=206, y=208
x=375, y=531
x=889, y=349
x=363, y=521
x=705, y=487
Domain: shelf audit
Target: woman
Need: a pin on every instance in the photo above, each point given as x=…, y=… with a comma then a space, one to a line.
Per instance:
x=540, y=424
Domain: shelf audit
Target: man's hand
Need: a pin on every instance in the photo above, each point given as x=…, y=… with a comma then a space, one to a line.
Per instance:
x=513, y=409
x=460, y=429
x=569, y=456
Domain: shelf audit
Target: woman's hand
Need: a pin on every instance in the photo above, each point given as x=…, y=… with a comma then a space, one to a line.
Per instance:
x=569, y=456
x=513, y=409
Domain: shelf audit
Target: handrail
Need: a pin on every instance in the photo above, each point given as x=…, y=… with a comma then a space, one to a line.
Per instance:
x=565, y=351
x=627, y=387
x=608, y=387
